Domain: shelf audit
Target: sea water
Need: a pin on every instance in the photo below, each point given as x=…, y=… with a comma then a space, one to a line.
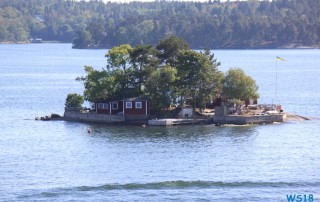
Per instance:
x=60, y=161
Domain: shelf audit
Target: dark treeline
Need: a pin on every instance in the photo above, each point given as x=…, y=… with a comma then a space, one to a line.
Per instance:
x=214, y=24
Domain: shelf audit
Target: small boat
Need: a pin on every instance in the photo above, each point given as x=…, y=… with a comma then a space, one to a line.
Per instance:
x=36, y=40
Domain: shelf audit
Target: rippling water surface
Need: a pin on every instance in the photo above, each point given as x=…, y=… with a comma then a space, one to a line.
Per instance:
x=59, y=161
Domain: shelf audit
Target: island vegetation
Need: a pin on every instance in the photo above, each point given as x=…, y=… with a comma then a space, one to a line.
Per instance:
x=74, y=100
x=169, y=73
x=212, y=24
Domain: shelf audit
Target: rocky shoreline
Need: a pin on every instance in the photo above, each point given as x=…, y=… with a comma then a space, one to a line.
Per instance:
x=49, y=117
x=287, y=117
x=295, y=118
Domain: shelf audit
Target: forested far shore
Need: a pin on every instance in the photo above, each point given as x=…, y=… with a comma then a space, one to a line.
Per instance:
x=212, y=24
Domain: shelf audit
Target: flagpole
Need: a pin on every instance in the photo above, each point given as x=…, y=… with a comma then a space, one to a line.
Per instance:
x=277, y=58
x=276, y=98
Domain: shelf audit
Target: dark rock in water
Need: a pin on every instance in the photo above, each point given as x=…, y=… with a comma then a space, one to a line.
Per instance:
x=48, y=118
x=55, y=116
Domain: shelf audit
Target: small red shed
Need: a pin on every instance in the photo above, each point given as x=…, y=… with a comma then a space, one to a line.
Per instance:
x=136, y=106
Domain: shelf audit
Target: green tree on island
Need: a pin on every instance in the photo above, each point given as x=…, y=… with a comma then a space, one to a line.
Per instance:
x=188, y=77
x=144, y=61
x=74, y=100
x=169, y=49
x=237, y=85
x=160, y=87
x=197, y=76
x=101, y=84
x=118, y=59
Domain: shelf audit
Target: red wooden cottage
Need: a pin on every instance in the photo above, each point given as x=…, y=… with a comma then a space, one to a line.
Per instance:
x=105, y=107
x=131, y=108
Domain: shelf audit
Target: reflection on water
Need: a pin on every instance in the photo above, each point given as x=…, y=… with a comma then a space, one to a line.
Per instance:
x=171, y=133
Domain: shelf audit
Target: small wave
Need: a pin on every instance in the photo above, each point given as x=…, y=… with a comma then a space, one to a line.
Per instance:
x=57, y=193
x=195, y=185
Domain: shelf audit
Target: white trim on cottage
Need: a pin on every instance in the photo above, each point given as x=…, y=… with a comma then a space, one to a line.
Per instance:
x=128, y=105
x=138, y=105
x=103, y=105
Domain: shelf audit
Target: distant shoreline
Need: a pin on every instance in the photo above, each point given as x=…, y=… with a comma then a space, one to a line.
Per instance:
x=289, y=46
x=27, y=42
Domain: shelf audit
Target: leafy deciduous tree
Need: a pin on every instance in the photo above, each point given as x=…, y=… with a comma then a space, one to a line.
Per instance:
x=119, y=59
x=74, y=100
x=197, y=76
x=238, y=85
x=99, y=84
x=160, y=87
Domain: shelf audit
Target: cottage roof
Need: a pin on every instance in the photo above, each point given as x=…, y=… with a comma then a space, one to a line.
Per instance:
x=126, y=100
x=136, y=99
x=102, y=100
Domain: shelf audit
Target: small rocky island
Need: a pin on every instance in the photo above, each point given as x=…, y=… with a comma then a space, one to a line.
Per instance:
x=167, y=84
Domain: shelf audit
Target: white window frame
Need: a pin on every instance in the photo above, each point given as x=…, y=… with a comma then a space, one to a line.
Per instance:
x=138, y=105
x=115, y=105
x=128, y=105
x=103, y=106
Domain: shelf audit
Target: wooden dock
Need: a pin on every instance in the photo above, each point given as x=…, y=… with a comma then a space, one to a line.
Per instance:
x=172, y=122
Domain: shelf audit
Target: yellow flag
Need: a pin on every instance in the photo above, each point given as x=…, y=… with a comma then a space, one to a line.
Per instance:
x=279, y=58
